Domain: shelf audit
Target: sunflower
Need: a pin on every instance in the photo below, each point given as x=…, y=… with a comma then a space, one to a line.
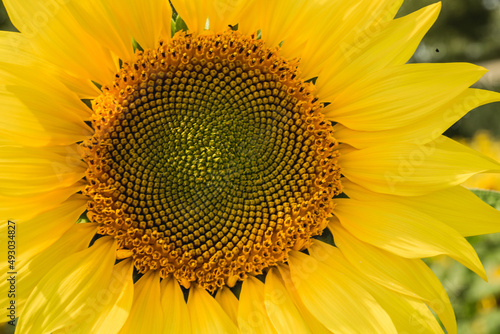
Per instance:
x=232, y=166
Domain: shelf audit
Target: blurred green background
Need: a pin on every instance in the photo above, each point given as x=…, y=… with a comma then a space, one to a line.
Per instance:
x=466, y=31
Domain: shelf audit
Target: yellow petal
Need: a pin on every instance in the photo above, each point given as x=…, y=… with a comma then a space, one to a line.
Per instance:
x=333, y=298
x=411, y=170
x=38, y=233
x=27, y=207
x=16, y=49
x=40, y=111
x=314, y=324
x=403, y=311
x=98, y=19
x=166, y=32
x=122, y=288
x=66, y=290
x=413, y=316
x=456, y=207
x=337, y=25
x=21, y=77
x=252, y=313
x=280, y=307
x=31, y=271
x=369, y=105
x=193, y=12
x=346, y=148
x=27, y=171
x=146, y=315
x=460, y=209
x=58, y=37
x=424, y=130
x=110, y=309
x=411, y=277
x=36, y=122
x=387, y=45
x=175, y=311
x=116, y=23
x=229, y=303
x=289, y=22
x=206, y=314
x=278, y=20
x=142, y=21
x=404, y=231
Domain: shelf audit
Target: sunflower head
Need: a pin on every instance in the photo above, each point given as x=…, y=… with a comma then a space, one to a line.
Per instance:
x=229, y=142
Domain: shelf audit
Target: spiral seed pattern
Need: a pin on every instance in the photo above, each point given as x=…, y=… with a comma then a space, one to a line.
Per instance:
x=211, y=160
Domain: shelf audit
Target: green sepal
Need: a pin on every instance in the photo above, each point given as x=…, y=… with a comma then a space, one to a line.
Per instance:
x=259, y=34
x=178, y=25
x=98, y=85
x=172, y=27
x=136, y=46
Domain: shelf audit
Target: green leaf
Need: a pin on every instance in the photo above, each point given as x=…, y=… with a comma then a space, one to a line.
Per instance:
x=489, y=196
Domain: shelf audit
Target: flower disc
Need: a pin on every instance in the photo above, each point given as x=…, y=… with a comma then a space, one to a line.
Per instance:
x=211, y=160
